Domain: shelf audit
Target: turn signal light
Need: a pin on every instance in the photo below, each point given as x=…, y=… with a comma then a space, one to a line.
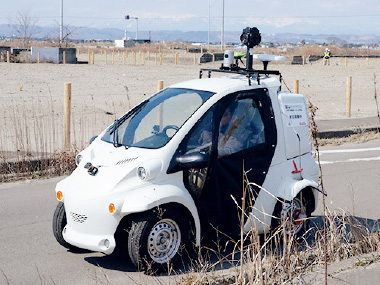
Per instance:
x=112, y=208
x=59, y=195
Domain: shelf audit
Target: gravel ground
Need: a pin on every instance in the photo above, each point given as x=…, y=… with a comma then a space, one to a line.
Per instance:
x=32, y=94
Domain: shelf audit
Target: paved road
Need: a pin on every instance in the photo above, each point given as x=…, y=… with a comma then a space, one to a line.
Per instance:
x=29, y=253
x=351, y=175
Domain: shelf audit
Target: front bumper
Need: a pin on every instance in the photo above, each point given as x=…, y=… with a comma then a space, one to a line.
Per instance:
x=102, y=243
x=90, y=225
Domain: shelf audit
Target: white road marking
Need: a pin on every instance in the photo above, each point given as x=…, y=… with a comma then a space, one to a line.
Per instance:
x=349, y=150
x=351, y=160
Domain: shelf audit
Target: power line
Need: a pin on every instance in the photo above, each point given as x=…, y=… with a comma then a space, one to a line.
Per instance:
x=214, y=17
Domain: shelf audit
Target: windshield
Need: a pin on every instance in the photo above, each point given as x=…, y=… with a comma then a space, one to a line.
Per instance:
x=155, y=121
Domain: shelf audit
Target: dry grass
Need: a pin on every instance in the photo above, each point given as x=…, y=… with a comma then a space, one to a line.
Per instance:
x=278, y=260
x=24, y=167
x=355, y=138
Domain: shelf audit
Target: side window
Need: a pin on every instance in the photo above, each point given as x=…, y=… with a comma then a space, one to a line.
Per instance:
x=200, y=138
x=241, y=127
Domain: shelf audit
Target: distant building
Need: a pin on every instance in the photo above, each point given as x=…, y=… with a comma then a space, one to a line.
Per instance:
x=54, y=54
x=124, y=43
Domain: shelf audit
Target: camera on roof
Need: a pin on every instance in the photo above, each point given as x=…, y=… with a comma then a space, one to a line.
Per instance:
x=250, y=37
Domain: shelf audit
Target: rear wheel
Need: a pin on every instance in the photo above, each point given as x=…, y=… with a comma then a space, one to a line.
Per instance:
x=59, y=223
x=293, y=215
x=155, y=239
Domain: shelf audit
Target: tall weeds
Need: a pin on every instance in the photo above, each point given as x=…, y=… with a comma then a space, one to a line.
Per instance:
x=276, y=259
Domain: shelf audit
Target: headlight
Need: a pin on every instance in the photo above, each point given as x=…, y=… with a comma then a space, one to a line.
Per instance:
x=78, y=159
x=141, y=173
x=149, y=169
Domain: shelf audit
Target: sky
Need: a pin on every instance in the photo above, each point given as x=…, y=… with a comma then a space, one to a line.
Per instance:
x=286, y=16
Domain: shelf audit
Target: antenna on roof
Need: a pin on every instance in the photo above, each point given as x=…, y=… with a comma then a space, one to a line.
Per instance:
x=266, y=58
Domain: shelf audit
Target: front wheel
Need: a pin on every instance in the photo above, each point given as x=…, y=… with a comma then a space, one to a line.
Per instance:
x=59, y=223
x=157, y=238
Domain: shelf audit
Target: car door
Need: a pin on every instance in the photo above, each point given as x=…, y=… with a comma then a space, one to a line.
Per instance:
x=236, y=136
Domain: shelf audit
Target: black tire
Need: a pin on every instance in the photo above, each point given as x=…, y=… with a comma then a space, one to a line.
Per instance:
x=292, y=215
x=59, y=223
x=156, y=238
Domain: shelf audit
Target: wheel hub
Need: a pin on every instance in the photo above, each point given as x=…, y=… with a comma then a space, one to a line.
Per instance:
x=293, y=214
x=164, y=240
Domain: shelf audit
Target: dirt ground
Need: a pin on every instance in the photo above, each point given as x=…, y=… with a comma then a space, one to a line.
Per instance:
x=32, y=94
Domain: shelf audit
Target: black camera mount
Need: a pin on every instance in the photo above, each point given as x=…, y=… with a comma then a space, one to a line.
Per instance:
x=250, y=37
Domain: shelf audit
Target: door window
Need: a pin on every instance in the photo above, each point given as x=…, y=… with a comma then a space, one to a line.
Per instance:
x=200, y=138
x=241, y=127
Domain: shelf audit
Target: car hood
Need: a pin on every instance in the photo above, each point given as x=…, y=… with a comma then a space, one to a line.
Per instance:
x=114, y=166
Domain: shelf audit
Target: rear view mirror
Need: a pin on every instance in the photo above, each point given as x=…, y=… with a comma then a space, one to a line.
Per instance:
x=194, y=160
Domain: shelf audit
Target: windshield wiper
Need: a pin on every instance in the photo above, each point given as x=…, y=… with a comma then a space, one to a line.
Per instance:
x=115, y=138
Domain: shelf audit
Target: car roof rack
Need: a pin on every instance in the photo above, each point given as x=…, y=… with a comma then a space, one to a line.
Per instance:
x=242, y=71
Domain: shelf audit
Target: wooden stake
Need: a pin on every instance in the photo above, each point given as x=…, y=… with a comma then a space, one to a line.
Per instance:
x=296, y=86
x=38, y=57
x=143, y=58
x=155, y=60
x=64, y=57
x=367, y=61
x=123, y=58
x=348, y=97
x=176, y=58
x=93, y=57
x=8, y=57
x=345, y=61
x=134, y=58
x=160, y=86
x=67, y=114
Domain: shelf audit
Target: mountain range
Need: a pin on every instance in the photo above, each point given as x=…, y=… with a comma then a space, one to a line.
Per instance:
x=86, y=33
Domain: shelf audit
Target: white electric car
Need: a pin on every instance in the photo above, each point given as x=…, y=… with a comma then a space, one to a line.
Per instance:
x=171, y=170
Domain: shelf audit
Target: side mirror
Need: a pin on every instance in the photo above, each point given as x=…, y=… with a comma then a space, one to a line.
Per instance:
x=193, y=160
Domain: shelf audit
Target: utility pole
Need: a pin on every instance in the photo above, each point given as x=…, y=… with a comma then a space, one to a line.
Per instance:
x=222, y=36
x=127, y=17
x=137, y=28
x=61, y=25
x=208, y=35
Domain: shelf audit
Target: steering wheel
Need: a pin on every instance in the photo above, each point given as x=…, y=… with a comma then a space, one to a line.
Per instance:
x=168, y=127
